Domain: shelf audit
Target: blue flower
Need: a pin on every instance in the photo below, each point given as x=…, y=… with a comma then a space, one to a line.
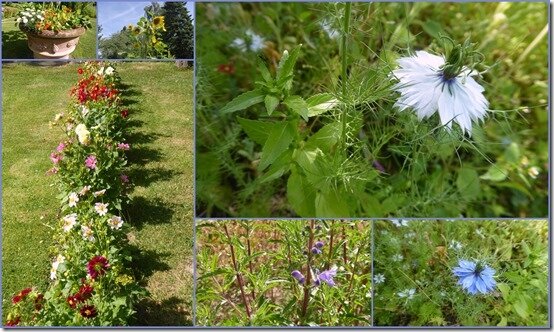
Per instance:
x=475, y=277
x=298, y=276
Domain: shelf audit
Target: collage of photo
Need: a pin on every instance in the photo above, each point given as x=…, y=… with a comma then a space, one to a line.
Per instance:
x=275, y=164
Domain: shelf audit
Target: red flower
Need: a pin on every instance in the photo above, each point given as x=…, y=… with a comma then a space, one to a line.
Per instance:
x=80, y=71
x=97, y=266
x=85, y=292
x=73, y=300
x=13, y=322
x=26, y=291
x=125, y=113
x=17, y=298
x=88, y=311
x=38, y=301
x=226, y=69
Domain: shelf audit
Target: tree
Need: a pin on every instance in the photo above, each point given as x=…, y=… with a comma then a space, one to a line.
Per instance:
x=179, y=34
x=116, y=46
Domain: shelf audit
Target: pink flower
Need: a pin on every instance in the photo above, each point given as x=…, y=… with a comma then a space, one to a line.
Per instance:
x=60, y=147
x=90, y=162
x=55, y=157
x=53, y=170
x=123, y=146
x=124, y=178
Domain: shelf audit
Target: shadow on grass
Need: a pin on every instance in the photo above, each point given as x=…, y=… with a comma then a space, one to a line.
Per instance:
x=14, y=45
x=169, y=312
x=146, y=262
x=143, y=212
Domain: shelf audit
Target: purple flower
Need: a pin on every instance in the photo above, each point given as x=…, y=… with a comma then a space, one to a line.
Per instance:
x=55, y=157
x=124, y=178
x=298, y=276
x=319, y=244
x=316, y=251
x=377, y=165
x=326, y=276
x=60, y=147
x=90, y=162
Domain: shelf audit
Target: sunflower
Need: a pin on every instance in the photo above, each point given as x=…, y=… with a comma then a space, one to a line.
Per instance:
x=158, y=22
x=136, y=30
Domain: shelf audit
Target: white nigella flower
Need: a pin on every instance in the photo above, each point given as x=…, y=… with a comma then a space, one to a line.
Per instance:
x=69, y=221
x=378, y=278
x=407, y=293
x=254, y=42
x=397, y=257
x=427, y=84
x=72, y=199
x=87, y=233
x=101, y=208
x=455, y=245
x=115, y=222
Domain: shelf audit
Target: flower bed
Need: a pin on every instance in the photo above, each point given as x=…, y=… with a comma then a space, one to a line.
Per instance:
x=91, y=282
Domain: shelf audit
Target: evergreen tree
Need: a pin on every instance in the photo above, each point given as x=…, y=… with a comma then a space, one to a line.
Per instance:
x=179, y=34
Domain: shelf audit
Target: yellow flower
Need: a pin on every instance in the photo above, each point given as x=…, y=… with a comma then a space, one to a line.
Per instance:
x=136, y=30
x=158, y=22
x=130, y=27
x=154, y=40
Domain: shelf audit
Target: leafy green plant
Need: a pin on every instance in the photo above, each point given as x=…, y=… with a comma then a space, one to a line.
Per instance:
x=282, y=273
x=36, y=17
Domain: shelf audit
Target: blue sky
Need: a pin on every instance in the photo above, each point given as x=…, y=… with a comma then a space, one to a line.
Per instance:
x=113, y=16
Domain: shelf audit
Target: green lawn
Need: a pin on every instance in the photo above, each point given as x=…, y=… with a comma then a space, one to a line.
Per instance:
x=161, y=163
x=14, y=42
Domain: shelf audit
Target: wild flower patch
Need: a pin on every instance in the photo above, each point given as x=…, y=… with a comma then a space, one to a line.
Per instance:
x=284, y=273
x=91, y=283
x=380, y=114
x=461, y=273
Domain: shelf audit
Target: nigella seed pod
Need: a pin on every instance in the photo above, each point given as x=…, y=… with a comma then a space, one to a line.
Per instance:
x=319, y=244
x=298, y=276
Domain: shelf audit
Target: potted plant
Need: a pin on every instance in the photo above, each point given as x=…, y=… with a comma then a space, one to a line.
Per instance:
x=52, y=29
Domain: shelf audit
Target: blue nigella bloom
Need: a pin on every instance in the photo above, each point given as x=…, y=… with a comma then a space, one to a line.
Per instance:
x=298, y=276
x=475, y=277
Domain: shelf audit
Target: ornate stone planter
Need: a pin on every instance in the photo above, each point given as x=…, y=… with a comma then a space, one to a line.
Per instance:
x=54, y=45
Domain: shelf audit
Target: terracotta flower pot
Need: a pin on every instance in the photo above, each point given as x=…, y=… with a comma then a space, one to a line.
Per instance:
x=54, y=45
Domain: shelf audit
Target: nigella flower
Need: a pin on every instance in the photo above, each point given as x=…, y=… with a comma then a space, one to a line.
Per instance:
x=475, y=277
x=428, y=83
x=97, y=266
x=326, y=276
x=298, y=276
x=408, y=293
x=400, y=222
x=379, y=278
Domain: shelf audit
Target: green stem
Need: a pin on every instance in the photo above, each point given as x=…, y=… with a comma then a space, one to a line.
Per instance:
x=344, y=57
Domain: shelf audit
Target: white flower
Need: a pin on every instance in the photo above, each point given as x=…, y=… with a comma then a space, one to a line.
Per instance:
x=397, y=257
x=87, y=233
x=58, y=117
x=82, y=134
x=109, y=71
x=424, y=88
x=53, y=274
x=254, y=42
x=84, y=110
x=400, y=222
x=407, y=293
x=101, y=71
x=99, y=193
x=101, y=208
x=533, y=172
x=378, y=278
x=455, y=245
x=25, y=20
x=60, y=259
x=84, y=191
x=55, y=264
x=69, y=221
x=72, y=199
x=115, y=222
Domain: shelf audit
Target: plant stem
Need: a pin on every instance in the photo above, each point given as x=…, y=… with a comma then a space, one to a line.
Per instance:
x=344, y=256
x=330, y=246
x=249, y=257
x=344, y=58
x=239, y=276
x=308, y=272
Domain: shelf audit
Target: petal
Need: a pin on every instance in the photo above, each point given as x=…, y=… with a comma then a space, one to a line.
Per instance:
x=480, y=284
x=445, y=104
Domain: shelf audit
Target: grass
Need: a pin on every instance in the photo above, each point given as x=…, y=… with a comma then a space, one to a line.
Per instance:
x=14, y=42
x=160, y=102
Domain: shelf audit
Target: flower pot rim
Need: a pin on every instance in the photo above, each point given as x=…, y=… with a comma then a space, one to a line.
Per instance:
x=69, y=33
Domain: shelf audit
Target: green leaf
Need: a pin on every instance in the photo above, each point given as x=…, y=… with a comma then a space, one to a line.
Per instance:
x=257, y=130
x=301, y=195
x=264, y=71
x=503, y=322
x=277, y=142
x=512, y=153
x=433, y=28
x=495, y=173
x=468, y=183
x=285, y=70
x=278, y=168
x=504, y=289
x=271, y=103
x=331, y=205
x=321, y=103
x=306, y=158
x=326, y=137
x=243, y=101
x=521, y=308
x=298, y=105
